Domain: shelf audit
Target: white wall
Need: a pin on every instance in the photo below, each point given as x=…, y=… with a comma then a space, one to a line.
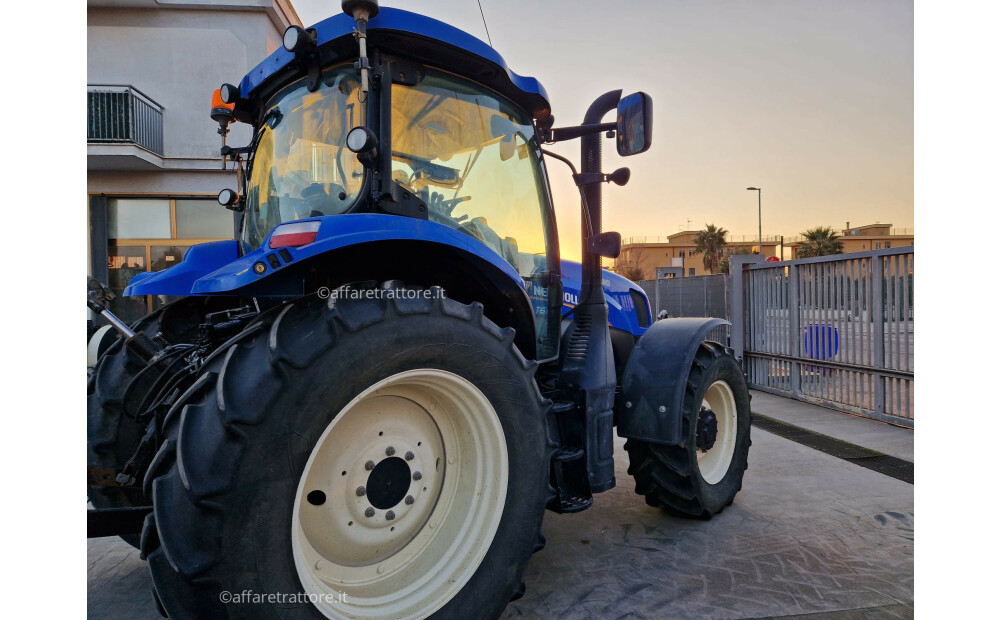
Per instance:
x=178, y=57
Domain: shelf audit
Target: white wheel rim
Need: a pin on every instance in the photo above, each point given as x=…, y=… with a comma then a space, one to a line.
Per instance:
x=714, y=463
x=352, y=565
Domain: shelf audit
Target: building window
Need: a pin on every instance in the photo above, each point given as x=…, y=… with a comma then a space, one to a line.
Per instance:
x=152, y=234
x=691, y=271
x=878, y=245
x=888, y=244
x=680, y=253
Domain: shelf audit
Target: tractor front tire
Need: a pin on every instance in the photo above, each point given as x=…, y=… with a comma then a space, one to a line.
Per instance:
x=701, y=475
x=377, y=458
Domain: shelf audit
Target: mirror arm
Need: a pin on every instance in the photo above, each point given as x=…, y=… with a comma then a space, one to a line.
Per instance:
x=562, y=134
x=232, y=150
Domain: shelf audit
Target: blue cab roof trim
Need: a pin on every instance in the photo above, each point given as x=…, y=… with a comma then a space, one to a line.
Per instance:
x=393, y=19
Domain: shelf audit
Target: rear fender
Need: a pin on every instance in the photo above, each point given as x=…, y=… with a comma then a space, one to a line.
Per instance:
x=359, y=247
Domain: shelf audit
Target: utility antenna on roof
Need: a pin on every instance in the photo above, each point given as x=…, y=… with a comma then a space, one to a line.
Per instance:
x=484, y=22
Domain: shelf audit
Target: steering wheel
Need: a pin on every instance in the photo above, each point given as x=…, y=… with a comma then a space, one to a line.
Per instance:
x=445, y=207
x=322, y=203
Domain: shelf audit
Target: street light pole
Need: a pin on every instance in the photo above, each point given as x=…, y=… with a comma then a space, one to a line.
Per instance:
x=760, y=233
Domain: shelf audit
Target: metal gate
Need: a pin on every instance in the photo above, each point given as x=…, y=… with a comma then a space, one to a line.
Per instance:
x=835, y=330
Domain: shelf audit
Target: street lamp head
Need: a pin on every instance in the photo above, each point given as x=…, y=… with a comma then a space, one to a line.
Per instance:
x=754, y=189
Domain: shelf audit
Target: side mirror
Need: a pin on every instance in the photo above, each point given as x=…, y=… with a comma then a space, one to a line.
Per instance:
x=635, y=124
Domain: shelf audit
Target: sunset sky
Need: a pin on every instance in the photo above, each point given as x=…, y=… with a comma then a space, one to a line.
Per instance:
x=811, y=100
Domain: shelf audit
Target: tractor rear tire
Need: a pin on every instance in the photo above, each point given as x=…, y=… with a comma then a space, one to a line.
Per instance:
x=376, y=458
x=112, y=436
x=685, y=479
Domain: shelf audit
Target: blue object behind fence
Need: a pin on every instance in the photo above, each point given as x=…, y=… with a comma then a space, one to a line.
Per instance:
x=821, y=341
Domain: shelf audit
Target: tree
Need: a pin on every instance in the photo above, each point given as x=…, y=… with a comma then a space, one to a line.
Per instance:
x=743, y=249
x=627, y=266
x=820, y=241
x=711, y=242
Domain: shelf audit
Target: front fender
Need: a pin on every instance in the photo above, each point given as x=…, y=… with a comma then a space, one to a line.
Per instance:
x=656, y=376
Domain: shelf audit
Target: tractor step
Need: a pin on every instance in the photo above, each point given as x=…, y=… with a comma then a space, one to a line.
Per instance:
x=569, y=468
x=562, y=407
x=574, y=504
x=566, y=455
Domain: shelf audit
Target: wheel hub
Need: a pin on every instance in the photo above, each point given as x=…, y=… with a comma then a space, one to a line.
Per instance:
x=388, y=483
x=716, y=430
x=707, y=430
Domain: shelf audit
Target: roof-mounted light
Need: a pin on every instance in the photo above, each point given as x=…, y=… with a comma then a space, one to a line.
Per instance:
x=298, y=39
x=222, y=111
x=361, y=140
x=230, y=94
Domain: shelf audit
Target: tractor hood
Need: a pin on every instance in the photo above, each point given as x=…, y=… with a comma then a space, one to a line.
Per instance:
x=411, y=35
x=628, y=307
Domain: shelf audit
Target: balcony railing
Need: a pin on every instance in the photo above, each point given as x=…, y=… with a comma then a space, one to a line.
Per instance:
x=124, y=115
x=893, y=232
x=731, y=239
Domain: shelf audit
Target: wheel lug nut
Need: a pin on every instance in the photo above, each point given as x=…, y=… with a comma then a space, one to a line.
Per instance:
x=409, y=456
x=409, y=500
x=370, y=512
x=390, y=451
x=361, y=491
x=389, y=516
x=417, y=475
x=370, y=465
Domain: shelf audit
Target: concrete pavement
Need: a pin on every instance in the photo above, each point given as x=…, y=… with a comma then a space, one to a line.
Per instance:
x=885, y=438
x=810, y=535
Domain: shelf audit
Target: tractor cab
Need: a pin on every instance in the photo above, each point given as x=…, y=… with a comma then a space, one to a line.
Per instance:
x=391, y=140
x=467, y=157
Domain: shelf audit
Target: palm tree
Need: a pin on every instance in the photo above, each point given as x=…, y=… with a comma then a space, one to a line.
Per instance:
x=711, y=242
x=820, y=241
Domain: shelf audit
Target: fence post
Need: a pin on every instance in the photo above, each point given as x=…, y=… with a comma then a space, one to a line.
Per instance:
x=794, y=332
x=878, y=332
x=737, y=305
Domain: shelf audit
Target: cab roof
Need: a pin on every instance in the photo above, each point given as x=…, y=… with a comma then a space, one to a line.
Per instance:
x=421, y=38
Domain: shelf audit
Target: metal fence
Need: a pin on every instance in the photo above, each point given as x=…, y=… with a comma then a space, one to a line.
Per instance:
x=835, y=330
x=691, y=296
x=698, y=296
x=122, y=114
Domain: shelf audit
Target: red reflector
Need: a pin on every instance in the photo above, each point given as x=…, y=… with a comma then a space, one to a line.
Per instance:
x=293, y=235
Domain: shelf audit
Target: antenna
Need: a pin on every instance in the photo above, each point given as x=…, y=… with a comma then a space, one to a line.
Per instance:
x=484, y=22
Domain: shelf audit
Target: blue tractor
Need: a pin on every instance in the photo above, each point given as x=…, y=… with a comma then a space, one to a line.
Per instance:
x=362, y=406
